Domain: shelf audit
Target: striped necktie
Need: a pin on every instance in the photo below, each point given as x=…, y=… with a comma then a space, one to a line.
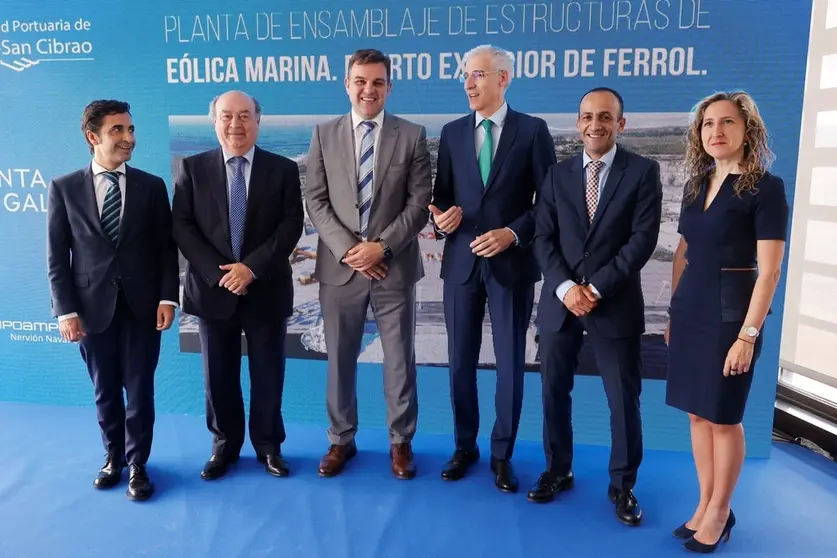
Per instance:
x=365, y=164
x=112, y=207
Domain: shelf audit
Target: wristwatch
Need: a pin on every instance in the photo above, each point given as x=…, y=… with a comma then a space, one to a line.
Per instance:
x=750, y=331
x=387, y=249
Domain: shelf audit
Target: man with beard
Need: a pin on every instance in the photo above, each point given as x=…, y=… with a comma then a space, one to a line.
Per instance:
x=367, y=191
x=114, y=281
x=597, y=225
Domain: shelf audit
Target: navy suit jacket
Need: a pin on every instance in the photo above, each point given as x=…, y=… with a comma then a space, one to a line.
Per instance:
x=608, y=253
x=524, y=154
x=85, y=268
x=272, y=228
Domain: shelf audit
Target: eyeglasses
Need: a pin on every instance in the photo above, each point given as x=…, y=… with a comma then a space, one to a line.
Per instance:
x=477, y=74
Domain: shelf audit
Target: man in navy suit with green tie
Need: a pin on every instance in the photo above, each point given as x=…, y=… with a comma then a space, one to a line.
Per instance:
x=491, y=164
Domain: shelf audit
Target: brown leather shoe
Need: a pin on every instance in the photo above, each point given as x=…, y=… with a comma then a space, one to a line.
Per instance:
x=335, y=459
x=402, y=460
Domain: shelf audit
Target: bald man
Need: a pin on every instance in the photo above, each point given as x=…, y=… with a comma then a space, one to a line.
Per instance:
x=237, y=214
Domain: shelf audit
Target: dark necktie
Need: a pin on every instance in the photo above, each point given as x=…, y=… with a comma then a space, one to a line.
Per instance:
x=238, y=206
x=112, y=208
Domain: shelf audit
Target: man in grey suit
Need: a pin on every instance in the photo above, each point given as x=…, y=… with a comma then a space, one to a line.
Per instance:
x=367, y=192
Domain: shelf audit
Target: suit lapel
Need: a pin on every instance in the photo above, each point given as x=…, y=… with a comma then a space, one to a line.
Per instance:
x=466, y=142
x=506, y=141
x=614, y=177
x=577, y=191
x=257, y=181
x=386, y=147
x=218, y=185
x=89, y=201
x=346, y=146
x=132, y=193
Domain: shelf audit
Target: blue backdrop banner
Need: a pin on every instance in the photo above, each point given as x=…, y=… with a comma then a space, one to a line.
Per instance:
x=169, y=59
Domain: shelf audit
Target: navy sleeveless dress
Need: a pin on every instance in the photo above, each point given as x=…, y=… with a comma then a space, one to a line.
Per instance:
x=709, y=306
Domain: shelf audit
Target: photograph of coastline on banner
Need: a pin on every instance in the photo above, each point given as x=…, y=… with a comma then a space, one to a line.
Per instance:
x=658, y=136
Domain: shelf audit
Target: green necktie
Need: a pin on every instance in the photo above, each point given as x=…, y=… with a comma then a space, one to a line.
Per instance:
x=486, y=151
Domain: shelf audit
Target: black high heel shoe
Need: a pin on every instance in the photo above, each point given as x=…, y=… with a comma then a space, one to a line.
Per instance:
x=695, y=546
x=684, y=532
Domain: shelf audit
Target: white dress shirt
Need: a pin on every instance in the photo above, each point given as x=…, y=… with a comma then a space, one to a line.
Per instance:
x=498, y=120
x=100, y=187
x=359, y=131
x=607, y=160
x=231, y=168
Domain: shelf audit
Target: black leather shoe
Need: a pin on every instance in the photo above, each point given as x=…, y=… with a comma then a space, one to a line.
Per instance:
x=504, y=476
x=627, y=507
x=275, y=465
x=110, y=474
x=217, y=467
x=459, y=464
x=139, y=486
x=548, y=485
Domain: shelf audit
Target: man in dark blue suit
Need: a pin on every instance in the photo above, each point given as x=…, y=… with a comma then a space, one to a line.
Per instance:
x=598, y=220
x=490, y=165
x=112, y=267
x=237, y=213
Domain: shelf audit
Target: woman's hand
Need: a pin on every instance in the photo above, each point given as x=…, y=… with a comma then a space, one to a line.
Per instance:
x=666, y=333
x=739, y=358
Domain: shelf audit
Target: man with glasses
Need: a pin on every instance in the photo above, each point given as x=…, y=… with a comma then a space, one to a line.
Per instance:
x=490, y=167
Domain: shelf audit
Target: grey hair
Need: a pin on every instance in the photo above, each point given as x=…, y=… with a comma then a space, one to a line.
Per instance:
x=214, y=102
x=500, y=59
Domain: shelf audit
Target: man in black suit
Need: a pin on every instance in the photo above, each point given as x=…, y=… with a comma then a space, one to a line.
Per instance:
x=237, y=214
x=113, y=279
x=597, y=225
x=491, y=165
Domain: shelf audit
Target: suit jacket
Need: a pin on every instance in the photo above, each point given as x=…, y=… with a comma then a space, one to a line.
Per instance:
x=401, y=195
x=86, y=270
x=273, y=226
x=524, y=154
x=608, y=253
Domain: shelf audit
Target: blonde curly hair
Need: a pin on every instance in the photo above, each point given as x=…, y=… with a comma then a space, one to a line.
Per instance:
x=758, y=157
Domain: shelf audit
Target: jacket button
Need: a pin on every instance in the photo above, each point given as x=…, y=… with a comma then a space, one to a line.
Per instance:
x=586, y=254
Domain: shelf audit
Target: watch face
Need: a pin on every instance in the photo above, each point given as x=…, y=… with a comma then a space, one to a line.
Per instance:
x=751, y=331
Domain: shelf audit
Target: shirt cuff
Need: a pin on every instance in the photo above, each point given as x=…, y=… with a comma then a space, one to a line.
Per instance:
x=516, y=239
x=562, y=289
x=67, y=316
x=169, y=302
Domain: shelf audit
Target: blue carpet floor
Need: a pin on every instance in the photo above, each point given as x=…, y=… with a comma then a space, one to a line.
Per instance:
x=48, y=508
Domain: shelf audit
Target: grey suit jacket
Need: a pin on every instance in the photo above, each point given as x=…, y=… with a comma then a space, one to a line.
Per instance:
x=401, y=195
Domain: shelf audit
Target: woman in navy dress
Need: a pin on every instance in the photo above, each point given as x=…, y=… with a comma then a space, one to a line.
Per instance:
x=733, y=227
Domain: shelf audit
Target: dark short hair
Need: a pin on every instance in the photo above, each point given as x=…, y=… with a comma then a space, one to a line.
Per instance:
x=94, y=115
x=370, y=56
x=605, y=90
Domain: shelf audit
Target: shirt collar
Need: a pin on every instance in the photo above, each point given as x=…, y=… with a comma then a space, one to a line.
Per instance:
x=358, y=119
x=607, y=158
x=248, y=155
x=99, y=169
x=498, y=118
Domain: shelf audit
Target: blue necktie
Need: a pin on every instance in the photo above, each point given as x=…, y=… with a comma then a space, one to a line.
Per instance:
x=364, y=185
x=112, y=207
x=238, y=207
